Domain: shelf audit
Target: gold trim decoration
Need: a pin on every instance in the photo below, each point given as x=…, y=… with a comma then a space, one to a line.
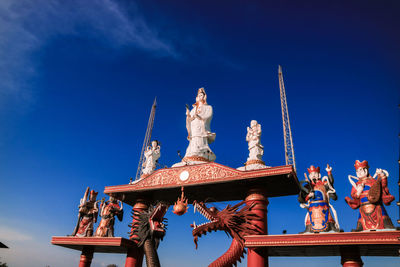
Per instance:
x=195, y=158
x=254, y=161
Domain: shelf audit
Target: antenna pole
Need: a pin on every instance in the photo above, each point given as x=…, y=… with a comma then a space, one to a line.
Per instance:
x=287, y=132
x=398, y=183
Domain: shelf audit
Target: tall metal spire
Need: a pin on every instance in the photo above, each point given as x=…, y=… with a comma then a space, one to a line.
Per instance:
x=398, y=202
x=147, y=138
x=287, y=132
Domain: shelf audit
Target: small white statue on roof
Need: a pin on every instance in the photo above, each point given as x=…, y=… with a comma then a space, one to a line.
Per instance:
x=256, y=150
x=198, y=121
x=152, y=154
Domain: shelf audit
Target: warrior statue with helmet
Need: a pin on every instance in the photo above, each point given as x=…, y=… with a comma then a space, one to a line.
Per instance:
x=108, y=210
x=314, y=197
x=199, y=134
x=87, y=214
x=368, y=195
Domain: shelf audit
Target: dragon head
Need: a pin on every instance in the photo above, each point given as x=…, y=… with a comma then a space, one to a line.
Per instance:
x=236, y=223
x=157, y=220
x=149, y=224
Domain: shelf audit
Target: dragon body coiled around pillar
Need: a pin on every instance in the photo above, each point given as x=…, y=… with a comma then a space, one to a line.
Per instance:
x=148, y=229
x=236, y=222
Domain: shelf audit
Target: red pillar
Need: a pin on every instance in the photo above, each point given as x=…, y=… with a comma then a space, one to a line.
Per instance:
x=86, y=257
x=134, y=257
x=350, y=256
x=256, y=258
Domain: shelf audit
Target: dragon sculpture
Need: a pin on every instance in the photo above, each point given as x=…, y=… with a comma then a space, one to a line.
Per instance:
x=148, y=228
x=236, y=223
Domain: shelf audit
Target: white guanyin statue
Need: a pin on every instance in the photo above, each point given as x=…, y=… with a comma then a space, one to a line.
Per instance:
x=256, y=150
x=152, y=154
x=199, y=134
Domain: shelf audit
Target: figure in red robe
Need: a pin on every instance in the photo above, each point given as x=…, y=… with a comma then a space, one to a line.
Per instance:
x=108, y=210
x=87, y=215
x=368, y=195
x=314, y=196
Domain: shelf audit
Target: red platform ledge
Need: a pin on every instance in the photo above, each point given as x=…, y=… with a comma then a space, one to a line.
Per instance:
x=100, y=244
x=379, y=243
x=210, y=180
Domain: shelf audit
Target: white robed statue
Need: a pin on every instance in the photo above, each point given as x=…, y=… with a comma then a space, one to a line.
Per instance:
x=253, y=138
x=256, y=149
x=152, y=154
x=199, y=133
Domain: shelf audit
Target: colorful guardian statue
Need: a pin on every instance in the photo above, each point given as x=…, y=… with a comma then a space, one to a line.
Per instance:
x=314, y=197
x=199, y=134
x=368, y=195
x=87, y=215
x=108, y=210
x=152, y=154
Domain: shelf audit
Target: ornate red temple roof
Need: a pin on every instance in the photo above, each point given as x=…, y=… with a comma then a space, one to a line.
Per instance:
x=207, y=182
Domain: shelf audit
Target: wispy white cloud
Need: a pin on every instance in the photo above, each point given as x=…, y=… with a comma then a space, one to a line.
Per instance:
x=15, y=46
x=38, y=253
x=11, y=234
x=27, y=25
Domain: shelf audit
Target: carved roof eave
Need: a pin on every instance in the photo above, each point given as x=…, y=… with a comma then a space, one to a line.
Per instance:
x=198, y=174
x=201, y=174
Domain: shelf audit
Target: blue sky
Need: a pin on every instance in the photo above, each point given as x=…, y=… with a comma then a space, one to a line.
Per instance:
x=78, y=79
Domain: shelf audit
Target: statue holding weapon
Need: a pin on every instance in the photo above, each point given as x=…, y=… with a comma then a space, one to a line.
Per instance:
x=108, y=210
x=314, y=196
x=87, y=214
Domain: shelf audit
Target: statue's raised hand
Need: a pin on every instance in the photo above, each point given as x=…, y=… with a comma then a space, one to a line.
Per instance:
x=328, y=168
x=187, y=110
x=381, y=173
